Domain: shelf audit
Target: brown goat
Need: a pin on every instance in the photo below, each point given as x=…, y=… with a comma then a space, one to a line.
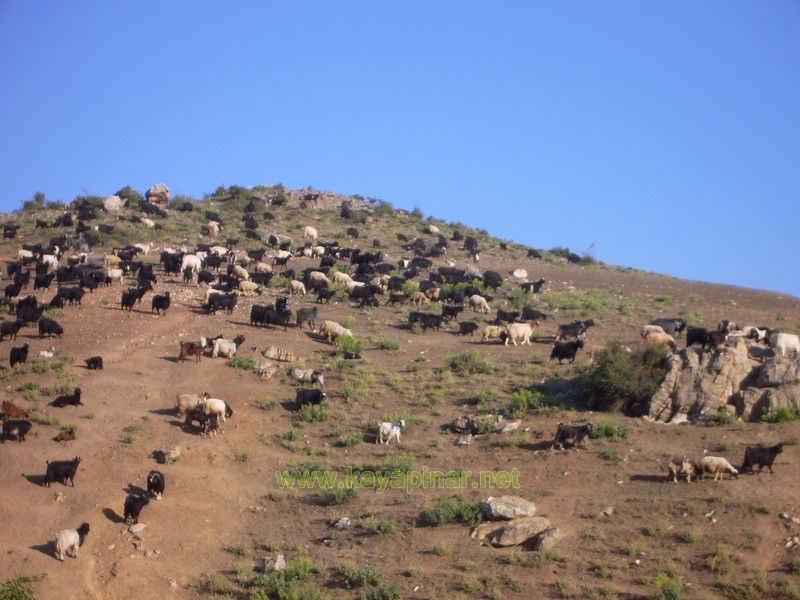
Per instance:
x=12, y=411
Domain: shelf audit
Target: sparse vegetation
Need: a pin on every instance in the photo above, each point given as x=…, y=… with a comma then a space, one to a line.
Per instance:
x=450, y=509
x=244, y=363
x=472, y=362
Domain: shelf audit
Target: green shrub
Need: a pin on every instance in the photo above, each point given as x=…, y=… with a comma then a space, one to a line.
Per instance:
x=721, y=417
x=625, y=380
x=385, y=343
x=668, y=586
x=782, y=414
x=609, y=430
x=377, y=525
x=338, y=495
x=245, y=363
x=450, y=509
x=312, y=413
x=349, y=346
x=19, y=588
x=472, y=362
x=524, y=401
x=360, y=575
x=385, y=592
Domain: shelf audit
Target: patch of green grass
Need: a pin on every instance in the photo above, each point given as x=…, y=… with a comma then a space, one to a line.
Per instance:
x=385, y=343
x=721, y=560
x=28, y=386
x=564, y=589
x=292, y=434
x=347, y=442
x=690, y=536
x=237, y=549
x=129, y=433
x=782, y=414
x=40, y=420
x=353, y=389
x=668, y=586
x=377, y=525
x=611, y=455
x=384, y=592
x=245, y=363
x=608, y=430
x=472, y=362
x=481, y=397
x=338, y=495
x=312, y=413
x=349, y=346
x=450, y=509
x=359, y=575
x=721, y=417
x=19, y=588
x=752, y=588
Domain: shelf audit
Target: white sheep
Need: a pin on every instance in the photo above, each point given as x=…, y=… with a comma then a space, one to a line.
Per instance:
x=351, y=285
x=491, y=332
x=648, y=329
x=226, y=348
x=213, y=228
x=297, y=287
x=69, y=540
x=331, y=330
x=784, y=343
x=240, y=273
x=248, y=288
x=24, y=255
x=654, y=339
x=318, y=251
x=51, y=260
x=215, y=406
x=341, y=277
x=145, y=248
x=262, y=267
x=113, y=261
x=678, y=467
x=220, y=251
x=116, y=275
x=479, y=304
x=519, y=331
x=387, y=431
x=193, y=261
x=716, y=465
x=310, y=233
x=149, y=223
x=418, y=298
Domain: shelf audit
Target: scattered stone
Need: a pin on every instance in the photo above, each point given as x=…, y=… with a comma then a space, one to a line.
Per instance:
x=272, y=563
x=343, y=523
x=137, y=528
x=279, y=354
x=507, y=507
x=547, y=539
x=509, y=427
x=518, y=531
x=485, y=529
x=607, y=512
x=149, y=554
x=173, y=584
x=112, y=546
x=463, y=440
x=174, y=454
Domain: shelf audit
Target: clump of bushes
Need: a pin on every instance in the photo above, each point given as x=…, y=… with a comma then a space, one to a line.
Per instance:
x=450, y=509
x=349, y=346
x=624, y=380
x=472, y=362
x=245, y=363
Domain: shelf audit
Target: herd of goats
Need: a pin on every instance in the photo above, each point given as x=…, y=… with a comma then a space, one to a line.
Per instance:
x=363, y=276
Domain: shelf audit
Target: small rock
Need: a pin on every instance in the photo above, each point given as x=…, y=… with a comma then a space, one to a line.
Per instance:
x=272, y=563
x=519, y=530
x=173, y=584
x=149, y=554
x=547, y=539
x=507, y=507
x=607, y=512
x=785, y=516
x=137, y=528
x=464, y=440
x=112, y=546
x=343, y=523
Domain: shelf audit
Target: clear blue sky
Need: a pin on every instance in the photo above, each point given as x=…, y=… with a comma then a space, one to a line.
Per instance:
x=666, y=134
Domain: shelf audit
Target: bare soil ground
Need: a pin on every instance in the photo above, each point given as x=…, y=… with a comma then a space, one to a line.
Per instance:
x=223, y=510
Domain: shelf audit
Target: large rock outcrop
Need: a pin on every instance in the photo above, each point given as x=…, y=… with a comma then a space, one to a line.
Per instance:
x=698, y=384
x=158, y=194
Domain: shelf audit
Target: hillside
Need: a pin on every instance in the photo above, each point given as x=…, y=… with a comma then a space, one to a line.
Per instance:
x=626, y=532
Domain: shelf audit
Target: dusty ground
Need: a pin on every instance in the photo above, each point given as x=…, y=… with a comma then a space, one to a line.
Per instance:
x=222, y=506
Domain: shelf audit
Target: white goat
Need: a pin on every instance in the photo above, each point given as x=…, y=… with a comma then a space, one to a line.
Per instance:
x=387, y=431
x=69, y=540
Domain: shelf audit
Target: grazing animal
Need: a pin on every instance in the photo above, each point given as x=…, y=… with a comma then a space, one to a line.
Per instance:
x=389, y=431
x=227, y=348
x=12, y=411
x=493, y=331
x=331, y=330
x=670, y=325
x=134, y=504
x=18, y=354
x=574, y=435
x=784, y=343
x=479, y=304
x=94, y=363
x=309, y=396
x=467, y=328
x=10, y=328
x=763, y=457
x=156, y=484
x=73, y=399
x=62, y=470
x=66, y=435
x=160, y=302
x=567, y=350
x=654, y=339
x=49, y=327
x=186, y=402
x=519, y=331
x=309, y=233
x=215, y=406
x=678, y=467
x=716, y=465
x=307, y=315
x=15, y=428
x=68, y=541
x=190, y=349
x=308, y=375
x=647, y=329
x=574, y=329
